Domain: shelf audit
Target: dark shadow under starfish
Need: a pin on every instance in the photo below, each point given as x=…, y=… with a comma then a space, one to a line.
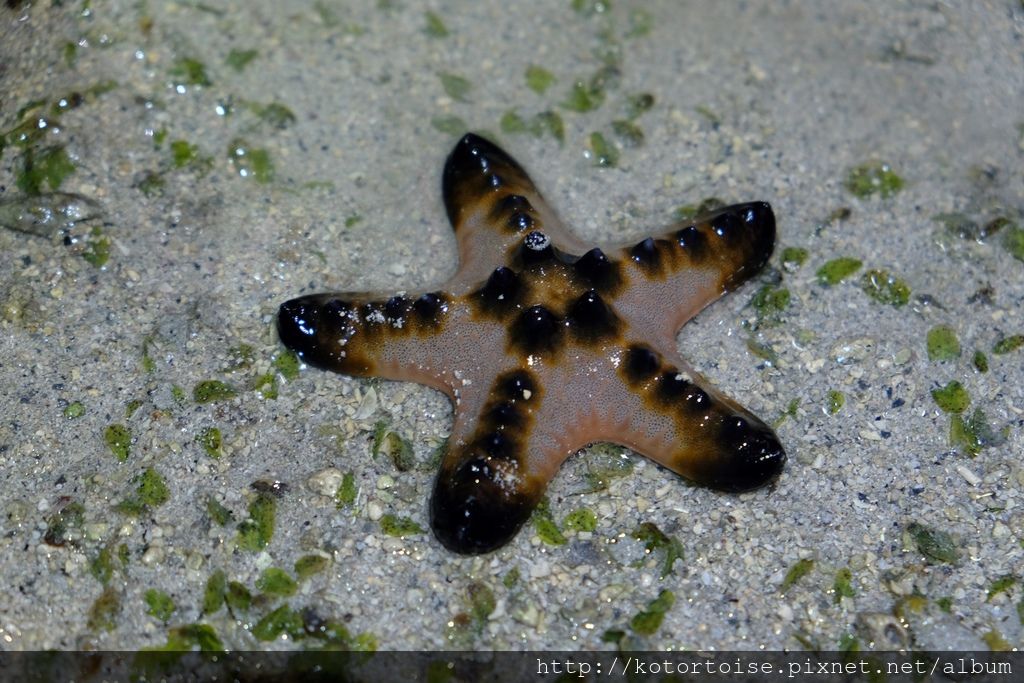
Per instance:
x=546, y=345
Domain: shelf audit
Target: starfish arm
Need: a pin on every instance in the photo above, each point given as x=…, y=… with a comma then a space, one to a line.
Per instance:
x=491, y=479
x=493, y=205
x=670, y=414
x=672, y=277
x=401, y=337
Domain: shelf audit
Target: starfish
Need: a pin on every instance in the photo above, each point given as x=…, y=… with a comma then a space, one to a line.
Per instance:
x=546, y=345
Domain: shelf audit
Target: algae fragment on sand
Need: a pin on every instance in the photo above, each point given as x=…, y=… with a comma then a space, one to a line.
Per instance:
x=211, y=390
x=159, y=604
x=936, y=545
x=837, y=270
x=873, y=178
x=256, y=532
x=400, y=527
x=277, y=582
x=942, y=344
x=885, y=288
x=649, y=621
x=802, y=567
x=118, y=440
x=582, y=519
x=952, y=398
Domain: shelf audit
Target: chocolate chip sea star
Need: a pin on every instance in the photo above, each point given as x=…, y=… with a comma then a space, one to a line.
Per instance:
x=546, y=344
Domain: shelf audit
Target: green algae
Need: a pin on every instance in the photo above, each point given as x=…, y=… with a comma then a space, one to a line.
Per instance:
x=1001, y=585
x=1013, y=241
x=131, y=407
x=959, y=225
x=74, y=410
x=104, y=611
x=190, y=637
x=183, y=153
x=885, y=288
x=277, y=582
x=842, y=587
x=837, y=270
x=834, y=401
x=450, y=125
x=41, y=168
x=769, y=303
x=152, y=184
x=283, y=620
x=397, y=449
x=800, y=569
x=584, y=97
x=287, y=363
x=688, y=212
x=980, y=361
x=151, y=493
x=345, y=496
x=239, y=59
x=212, y=442
x=649, y=620
x=793, y=257
x=266, y=384
x=582, y=519
x=789, y=412
x=1008, y=344
x=970, y=435
x=212, y=390
x=159, y=604
x=545, y=122
x=189, y=71
x=213, y=594
x=219, y=514
x=119, y=440
x=238, y=597
x=545, y=526
x=657, y=541
x=400, y=527
x=257, y=531
x=604, y=153
x=628, y=132
x=309, y=565
x=942, y=344
x=511, y=578
x=935, y=545
x=550, y=122
x=97, y=248
x=481, y=601
x=435, y=27
x=539, y=79
x=274, y=114
x=241, y=357
x=952, y=398
x=64, y=524
x=638, y=104
x=996, y=642
x=457, y=87
x=873, y=178
x=250, y=162
x=605, y=462
x=102, y=566
x=512, y=123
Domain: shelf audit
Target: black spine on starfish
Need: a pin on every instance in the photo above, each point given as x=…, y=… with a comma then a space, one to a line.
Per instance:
x=547, y=344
